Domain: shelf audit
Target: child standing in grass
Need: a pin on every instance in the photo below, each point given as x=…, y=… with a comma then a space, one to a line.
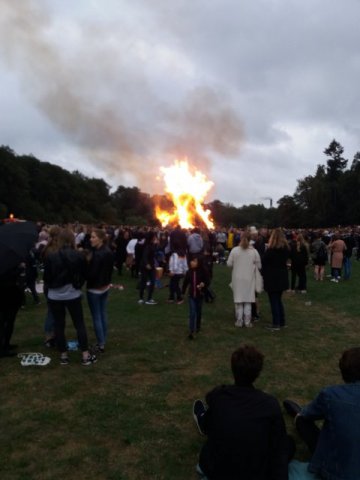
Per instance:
x=197, y=279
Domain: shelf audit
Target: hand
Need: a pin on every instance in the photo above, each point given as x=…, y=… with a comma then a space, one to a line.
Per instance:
x=201, y=285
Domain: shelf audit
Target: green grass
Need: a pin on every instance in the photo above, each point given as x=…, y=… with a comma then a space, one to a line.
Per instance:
x=129, y=416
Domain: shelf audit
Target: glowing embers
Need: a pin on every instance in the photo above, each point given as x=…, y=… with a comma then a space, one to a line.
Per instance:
x=187, y=190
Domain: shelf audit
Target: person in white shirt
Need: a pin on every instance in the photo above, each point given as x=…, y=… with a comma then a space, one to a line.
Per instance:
x=178, y=266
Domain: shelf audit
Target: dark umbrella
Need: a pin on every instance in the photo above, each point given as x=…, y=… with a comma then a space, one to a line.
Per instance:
x=16, y=240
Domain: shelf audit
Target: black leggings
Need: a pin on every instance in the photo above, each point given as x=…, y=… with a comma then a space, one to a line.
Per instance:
x=147, y=280
x=58, y=309
x=301, y=273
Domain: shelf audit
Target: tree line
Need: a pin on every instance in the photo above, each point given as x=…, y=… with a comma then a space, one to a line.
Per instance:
x=40, y=191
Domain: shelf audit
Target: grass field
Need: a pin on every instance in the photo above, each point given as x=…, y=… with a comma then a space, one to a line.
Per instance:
x=129, y=416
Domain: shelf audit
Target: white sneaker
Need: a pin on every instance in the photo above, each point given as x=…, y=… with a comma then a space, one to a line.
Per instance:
x=238, y=323
x=140, y=302
x=151, y=302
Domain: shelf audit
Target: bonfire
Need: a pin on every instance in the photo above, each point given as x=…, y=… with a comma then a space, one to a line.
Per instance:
x=186, y=188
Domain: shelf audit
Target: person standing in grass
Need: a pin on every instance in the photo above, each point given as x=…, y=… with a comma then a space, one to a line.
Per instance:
x=275, y=274
x=121, y=241
x=148, y=269
x=12, y=285
x=337, y=248
x=245, y=429
x=178, y=266
x=64, y=274
x=196, y=280
x=349, y=239
x=319, y=256
x=49, y=324
x=335, y=447
x=244, y=260
x=299, y=256
x=100, y=269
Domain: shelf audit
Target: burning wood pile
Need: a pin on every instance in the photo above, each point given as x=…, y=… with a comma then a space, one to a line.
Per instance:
x=186, y=188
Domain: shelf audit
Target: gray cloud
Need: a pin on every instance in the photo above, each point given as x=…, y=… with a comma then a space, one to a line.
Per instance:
x=252, y=92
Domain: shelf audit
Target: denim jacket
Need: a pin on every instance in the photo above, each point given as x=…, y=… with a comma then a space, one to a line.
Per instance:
x=337, y=455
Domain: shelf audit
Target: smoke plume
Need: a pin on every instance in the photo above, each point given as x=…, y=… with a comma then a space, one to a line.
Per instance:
x=96, y=88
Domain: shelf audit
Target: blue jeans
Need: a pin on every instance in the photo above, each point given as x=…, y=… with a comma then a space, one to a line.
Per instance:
x=347, y=267
x=97, y=304
x=335, y=272
x=195, y=306
x=277, y=309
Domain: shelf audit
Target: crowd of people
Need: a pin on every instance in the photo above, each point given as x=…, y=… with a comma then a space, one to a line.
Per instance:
x=246, y=433
x=259, y=259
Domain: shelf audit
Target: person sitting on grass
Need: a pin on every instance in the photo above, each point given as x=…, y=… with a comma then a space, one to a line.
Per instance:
x=334, y=448
x=246, y=435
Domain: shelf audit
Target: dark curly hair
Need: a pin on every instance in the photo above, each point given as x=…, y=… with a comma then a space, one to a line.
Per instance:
x=349, y=365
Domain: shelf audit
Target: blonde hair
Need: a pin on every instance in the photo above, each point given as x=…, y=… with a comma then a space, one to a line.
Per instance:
x=52, y=245
x=278, y=239
x=300, y=242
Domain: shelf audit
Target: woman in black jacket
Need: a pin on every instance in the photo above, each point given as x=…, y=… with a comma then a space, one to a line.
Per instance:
x=275, y=274
x=148, y=269
x=299, y=255
x=64, y=274
x=99, y=274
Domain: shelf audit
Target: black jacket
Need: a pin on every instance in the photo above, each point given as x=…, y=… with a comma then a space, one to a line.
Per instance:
x=246, y=436
x=193, y=277
x=148, y=257
x=12, y=286
x=100, y=268
x=299, y=259
x=274, y=269
x=60, y=267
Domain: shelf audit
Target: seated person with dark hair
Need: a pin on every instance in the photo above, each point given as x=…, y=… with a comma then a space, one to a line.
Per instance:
x=246, y=432
x=335, y=448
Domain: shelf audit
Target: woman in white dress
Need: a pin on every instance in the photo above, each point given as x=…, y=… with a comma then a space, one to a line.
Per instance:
x=245, y=262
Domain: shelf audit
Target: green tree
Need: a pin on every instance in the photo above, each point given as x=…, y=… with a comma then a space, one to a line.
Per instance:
x=289, y=212
x=312, y=196
x=133, y=206
x=350, y=192
x=336, y=165
x=14, y=183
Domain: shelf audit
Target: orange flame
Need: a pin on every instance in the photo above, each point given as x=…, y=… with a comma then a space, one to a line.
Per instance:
x=187, y=192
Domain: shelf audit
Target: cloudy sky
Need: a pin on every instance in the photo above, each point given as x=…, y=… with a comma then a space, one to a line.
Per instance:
x=251, y=91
